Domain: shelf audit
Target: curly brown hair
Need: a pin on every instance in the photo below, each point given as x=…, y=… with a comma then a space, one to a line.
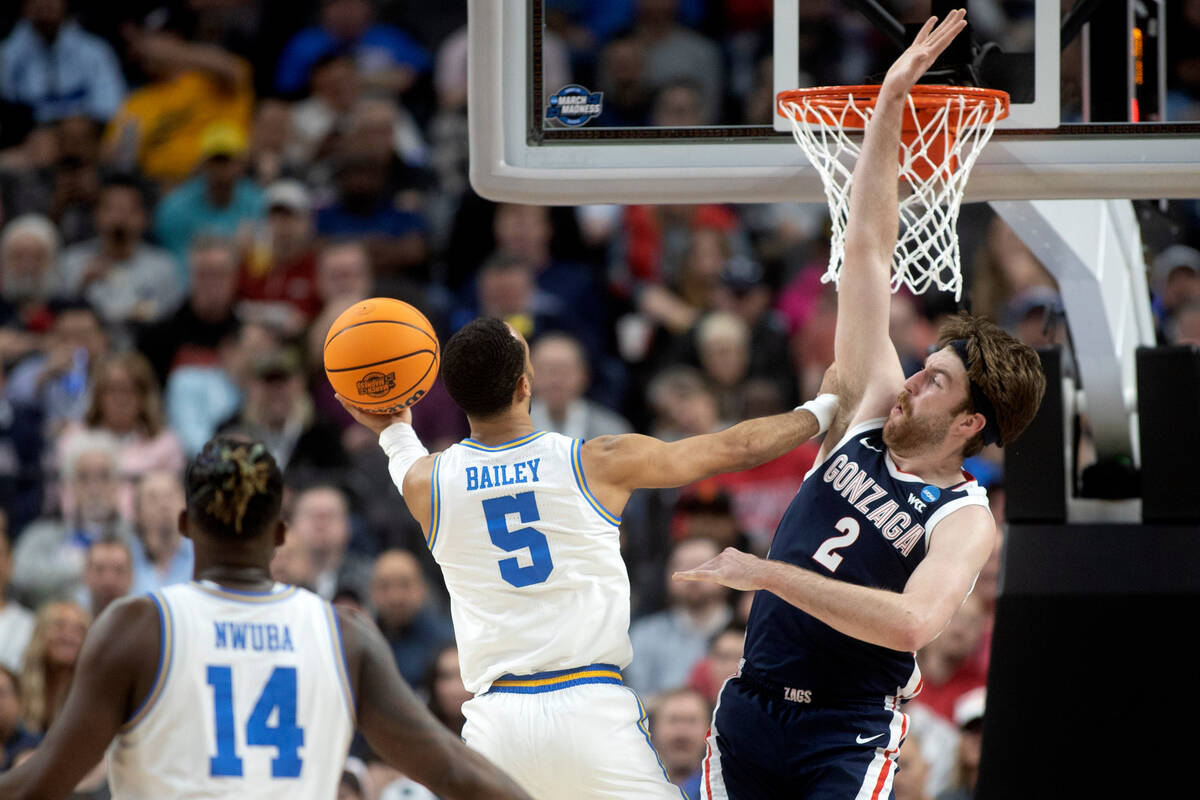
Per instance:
x=1007, y=371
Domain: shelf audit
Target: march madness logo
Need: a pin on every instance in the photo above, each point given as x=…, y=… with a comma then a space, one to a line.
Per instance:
x=376, y=384
x=573, y=105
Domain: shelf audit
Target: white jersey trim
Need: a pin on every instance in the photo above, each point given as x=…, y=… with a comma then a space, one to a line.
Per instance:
x=166, y=652
x=338, y=651
x=860, y=428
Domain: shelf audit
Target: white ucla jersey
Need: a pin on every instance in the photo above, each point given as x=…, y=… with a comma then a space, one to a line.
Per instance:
x=251, y=700
x=531, y=560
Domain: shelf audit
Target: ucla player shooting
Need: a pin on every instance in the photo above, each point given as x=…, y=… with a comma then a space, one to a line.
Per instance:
x=886, y=534
x=234, y=685
x=523, y=524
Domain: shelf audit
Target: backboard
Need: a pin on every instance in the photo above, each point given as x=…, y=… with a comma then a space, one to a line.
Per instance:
x=591, y=101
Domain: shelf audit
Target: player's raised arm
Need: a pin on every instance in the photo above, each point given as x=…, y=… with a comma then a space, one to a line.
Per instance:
x=115, y=672
x=404, y=733
x=870, y=373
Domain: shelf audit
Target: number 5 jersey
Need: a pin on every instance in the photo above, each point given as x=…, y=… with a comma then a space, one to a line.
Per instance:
x=531, y=559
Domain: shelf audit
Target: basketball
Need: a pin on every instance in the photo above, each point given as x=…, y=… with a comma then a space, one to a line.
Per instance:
x=381, y=355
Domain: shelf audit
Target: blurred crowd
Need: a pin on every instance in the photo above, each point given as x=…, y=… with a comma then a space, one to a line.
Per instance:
x=191, y=191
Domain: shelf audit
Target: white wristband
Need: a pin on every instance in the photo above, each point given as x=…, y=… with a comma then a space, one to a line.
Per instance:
x=399, y=441
x=824, y=408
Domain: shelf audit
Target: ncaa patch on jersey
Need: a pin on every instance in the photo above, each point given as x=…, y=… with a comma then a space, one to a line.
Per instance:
x=930, y=493
x=573, y=105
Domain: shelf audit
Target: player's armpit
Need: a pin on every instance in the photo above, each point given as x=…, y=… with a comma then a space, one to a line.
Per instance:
x=114, y=673
x=403, y=731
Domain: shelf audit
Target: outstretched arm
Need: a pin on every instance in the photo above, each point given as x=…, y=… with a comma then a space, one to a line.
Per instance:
x=401, y=730
x=114, y=673
x=870, y=371
x=903, y=621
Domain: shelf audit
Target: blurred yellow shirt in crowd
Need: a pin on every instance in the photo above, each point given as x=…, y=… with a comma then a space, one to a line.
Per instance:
x=166, y=121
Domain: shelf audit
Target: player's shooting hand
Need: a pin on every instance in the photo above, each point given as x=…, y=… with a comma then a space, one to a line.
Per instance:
x=731, y=568
x=926, y=47
x=376, y=423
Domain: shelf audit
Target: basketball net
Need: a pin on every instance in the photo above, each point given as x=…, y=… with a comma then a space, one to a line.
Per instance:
x=943, y=131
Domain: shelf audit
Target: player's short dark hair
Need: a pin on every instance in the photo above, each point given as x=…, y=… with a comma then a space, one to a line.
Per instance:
x=234, y=487
x=481, y=365
x=1007, y=371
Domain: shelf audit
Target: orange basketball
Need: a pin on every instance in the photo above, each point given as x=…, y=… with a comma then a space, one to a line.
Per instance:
x=381, y=355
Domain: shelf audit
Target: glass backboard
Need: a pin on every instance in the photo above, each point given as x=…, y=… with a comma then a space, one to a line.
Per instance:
x=585, y=101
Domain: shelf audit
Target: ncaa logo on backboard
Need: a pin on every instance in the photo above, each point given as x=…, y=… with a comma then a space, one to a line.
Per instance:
x=930, y=493
x=573, y=105
x=376, y=384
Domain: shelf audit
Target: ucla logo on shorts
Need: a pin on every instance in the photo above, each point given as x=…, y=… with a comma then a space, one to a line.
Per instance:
x=930, y=493
x=574, y=105
x=376, y=384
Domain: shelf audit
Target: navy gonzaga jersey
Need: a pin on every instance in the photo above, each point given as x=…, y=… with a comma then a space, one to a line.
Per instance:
x=856, y=518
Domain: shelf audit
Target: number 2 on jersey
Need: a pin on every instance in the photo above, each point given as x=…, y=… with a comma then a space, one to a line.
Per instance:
x=285, y=736
x=496, y=510
x=827, y=555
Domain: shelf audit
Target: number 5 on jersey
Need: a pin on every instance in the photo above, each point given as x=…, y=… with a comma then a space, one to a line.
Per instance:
x=496, y=511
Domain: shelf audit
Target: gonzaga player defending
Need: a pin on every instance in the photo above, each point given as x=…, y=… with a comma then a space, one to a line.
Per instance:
x=236, y=686
x=886, y=534
x=524, y=526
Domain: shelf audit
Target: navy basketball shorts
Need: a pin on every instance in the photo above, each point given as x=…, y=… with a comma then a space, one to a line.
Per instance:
x=769, y=742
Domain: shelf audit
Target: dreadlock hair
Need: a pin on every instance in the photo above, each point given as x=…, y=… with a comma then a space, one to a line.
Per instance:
x=481, y=365
x=234, y=487
x=1007, y=371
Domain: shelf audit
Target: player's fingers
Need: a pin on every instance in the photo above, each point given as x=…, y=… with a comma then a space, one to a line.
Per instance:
x=696, y=575
x=925, y=29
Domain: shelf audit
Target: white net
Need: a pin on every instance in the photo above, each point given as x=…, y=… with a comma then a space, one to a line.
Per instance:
x=935, y=161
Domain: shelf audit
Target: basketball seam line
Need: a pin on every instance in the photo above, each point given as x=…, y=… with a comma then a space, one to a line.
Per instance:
x=407, y=391
x=385, y=361
x=376, y=322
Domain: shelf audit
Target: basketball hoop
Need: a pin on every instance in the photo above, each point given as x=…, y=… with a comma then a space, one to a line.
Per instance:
x=942, y=134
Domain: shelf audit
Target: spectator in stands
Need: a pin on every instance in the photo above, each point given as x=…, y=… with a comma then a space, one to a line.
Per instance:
x=721, y=662
x=674, y=52
x=199, y=102
x=28, y=249
x=912, y=778
x=161, y=555
x=193, y=334
x=507, y=289
x=560, y=368
x=50, y=662
x=53, y=65
x=118, y=273
x=317, y=120
x=58, y=379
x=681, y=103
x=266, y=155
x=968, y=716
x=679, y=721
x=15, y=738
x=389, y=59
x=447, y=694
x=21, y=445
x=411, y=624
x=321, y=517
x=107, y=574
x=723, y=345
x=219, y=200
x=1184, y=326
x=294, y=562
x=201, y=397
x=16, y=621
x=49, y=556
x=742, y=289
x=279, y=413
x=622, y=78
x=126, y=403
x=278, y=285
x=1174, y=280
x=667, y=644
x=947, y=668
x=365, y=207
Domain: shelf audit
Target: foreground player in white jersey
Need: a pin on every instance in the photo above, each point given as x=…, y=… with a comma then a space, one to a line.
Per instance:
x=234, y=685
x=524, y=526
